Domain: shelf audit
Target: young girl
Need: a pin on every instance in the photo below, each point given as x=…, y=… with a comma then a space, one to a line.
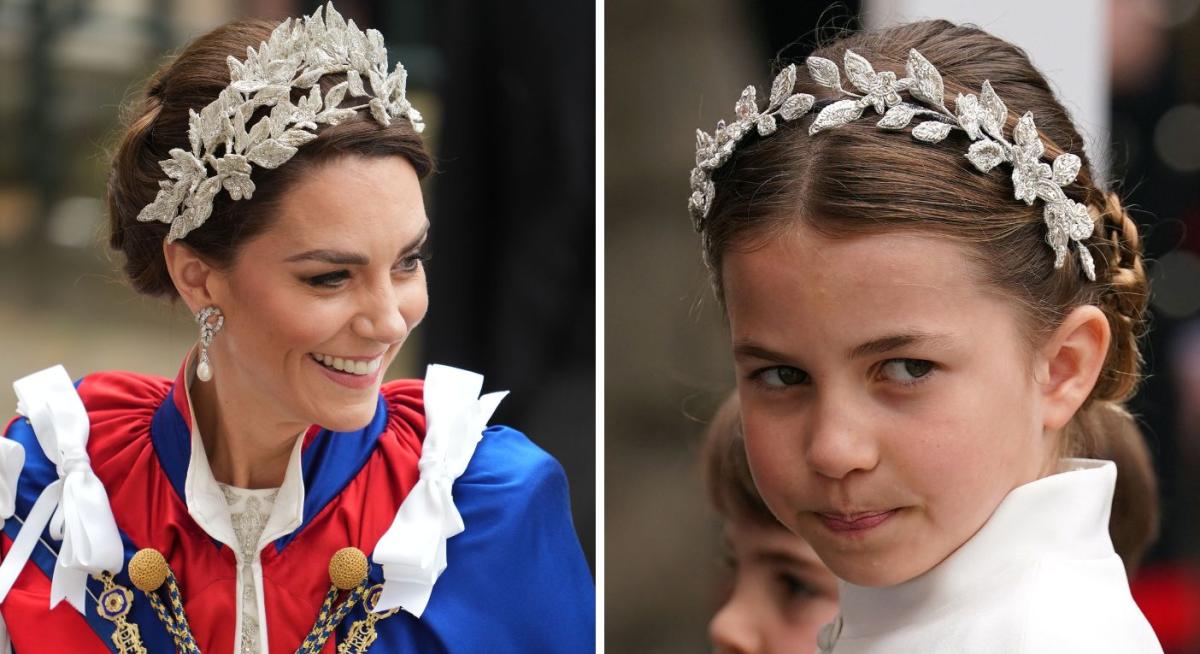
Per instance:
x=934, y=308
x=780, y=593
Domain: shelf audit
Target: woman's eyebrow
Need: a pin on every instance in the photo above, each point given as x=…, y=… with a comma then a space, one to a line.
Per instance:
x=343, y=258
x=896, y=341
x=338, y=257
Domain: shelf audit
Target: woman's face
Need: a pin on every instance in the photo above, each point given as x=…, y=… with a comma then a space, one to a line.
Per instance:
x=781, y=593
x=887, y=397
x=338, y=275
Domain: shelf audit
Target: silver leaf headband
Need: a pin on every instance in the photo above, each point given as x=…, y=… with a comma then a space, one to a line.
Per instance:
x=298, y=54
x=982, y=118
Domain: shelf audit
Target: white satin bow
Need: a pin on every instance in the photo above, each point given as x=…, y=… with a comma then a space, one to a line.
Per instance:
x=76, y=505
x=413, y=550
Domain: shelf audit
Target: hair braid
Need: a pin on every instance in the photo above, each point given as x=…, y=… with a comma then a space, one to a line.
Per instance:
x=1123, y=297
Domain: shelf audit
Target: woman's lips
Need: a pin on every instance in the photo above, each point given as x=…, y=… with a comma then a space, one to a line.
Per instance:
x=855, y=524
x=347, y=379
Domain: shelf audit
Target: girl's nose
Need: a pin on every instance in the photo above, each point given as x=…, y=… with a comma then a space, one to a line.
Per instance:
x=838, y=443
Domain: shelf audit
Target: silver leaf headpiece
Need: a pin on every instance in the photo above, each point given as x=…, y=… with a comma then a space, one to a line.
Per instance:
x=982, y=118
x=298, y=54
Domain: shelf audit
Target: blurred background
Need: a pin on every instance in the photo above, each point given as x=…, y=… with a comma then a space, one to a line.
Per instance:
x=1129, y=70
x=512, y=208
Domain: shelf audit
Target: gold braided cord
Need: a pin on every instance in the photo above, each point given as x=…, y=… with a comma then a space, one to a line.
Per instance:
x=150, y=572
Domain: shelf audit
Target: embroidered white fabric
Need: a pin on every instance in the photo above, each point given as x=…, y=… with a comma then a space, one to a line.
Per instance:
x=249, y=510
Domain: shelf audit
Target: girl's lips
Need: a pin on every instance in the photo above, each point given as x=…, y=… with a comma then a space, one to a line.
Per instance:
x=857, y=524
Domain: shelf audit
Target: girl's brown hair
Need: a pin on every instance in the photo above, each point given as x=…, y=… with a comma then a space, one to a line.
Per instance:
x=158, y=121
x=858, y=179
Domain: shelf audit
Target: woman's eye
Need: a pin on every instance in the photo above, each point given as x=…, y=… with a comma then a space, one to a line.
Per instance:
x=781, y=376
x=907, y=371
x=413, y=261
x=329, y=280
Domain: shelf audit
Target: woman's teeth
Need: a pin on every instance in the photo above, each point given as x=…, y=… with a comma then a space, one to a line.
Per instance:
x=348, y=365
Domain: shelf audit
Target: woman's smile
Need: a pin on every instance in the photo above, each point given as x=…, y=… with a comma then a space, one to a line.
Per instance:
x=355, y=374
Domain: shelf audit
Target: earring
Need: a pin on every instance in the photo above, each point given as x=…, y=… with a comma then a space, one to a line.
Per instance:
x=211, y=320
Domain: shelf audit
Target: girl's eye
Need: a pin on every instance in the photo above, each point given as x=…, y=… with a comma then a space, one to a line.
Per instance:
x=329, y=280
x=781, y=376
x=907, y=371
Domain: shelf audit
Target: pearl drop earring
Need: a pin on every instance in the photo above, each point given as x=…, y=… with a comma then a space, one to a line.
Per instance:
x=211, y=320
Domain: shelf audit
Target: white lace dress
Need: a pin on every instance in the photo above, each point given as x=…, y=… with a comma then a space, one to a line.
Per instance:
x=249, y=509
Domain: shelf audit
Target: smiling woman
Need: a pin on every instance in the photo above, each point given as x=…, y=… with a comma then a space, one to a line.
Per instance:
x=277, y=495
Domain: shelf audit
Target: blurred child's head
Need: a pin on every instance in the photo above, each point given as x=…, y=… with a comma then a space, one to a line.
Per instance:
x=781, y=594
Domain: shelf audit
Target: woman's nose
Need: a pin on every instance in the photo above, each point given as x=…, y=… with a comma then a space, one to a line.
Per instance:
x=732, y=629
x=381, y=318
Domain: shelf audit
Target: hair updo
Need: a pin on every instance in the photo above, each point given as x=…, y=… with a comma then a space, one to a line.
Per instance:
x=858, y=179
x=158, y=122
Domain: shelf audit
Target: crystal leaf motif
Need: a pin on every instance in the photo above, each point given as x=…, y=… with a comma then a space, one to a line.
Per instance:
x=897, y=117
x=298, y=53
x=836, y=115
x=796, y=106
x=859, y=71
x=928, y=81
x=931, y=131
x=782, y=87
x=824, y=72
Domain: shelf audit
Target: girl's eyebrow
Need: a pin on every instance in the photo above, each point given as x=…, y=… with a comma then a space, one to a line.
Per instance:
x=749, y=349
x=896, y=341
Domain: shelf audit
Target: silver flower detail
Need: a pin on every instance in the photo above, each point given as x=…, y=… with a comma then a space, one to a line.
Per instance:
x=713, y=150
x=880, y=90
x=982, y=118
x=1028, y=168
x=298, y=54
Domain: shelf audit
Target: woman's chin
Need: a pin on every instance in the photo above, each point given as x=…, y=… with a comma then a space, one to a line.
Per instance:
x=345, y=417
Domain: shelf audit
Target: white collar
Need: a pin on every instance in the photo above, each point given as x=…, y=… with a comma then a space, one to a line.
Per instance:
x=206, y=503
x=1063, y=516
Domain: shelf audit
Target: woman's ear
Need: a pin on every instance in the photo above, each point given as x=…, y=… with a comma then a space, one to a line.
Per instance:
x=192, y=275
x=1070, y=363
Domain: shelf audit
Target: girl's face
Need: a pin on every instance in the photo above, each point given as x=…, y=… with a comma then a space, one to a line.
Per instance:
x=338, y=275
x=887, y=396
x=781, y=593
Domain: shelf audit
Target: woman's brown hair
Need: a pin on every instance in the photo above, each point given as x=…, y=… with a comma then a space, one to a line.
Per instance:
x=158, y=121
x=858, y=179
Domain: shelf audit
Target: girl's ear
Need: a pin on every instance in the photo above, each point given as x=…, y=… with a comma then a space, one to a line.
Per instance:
x=194, y=278
x=1069, y=364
